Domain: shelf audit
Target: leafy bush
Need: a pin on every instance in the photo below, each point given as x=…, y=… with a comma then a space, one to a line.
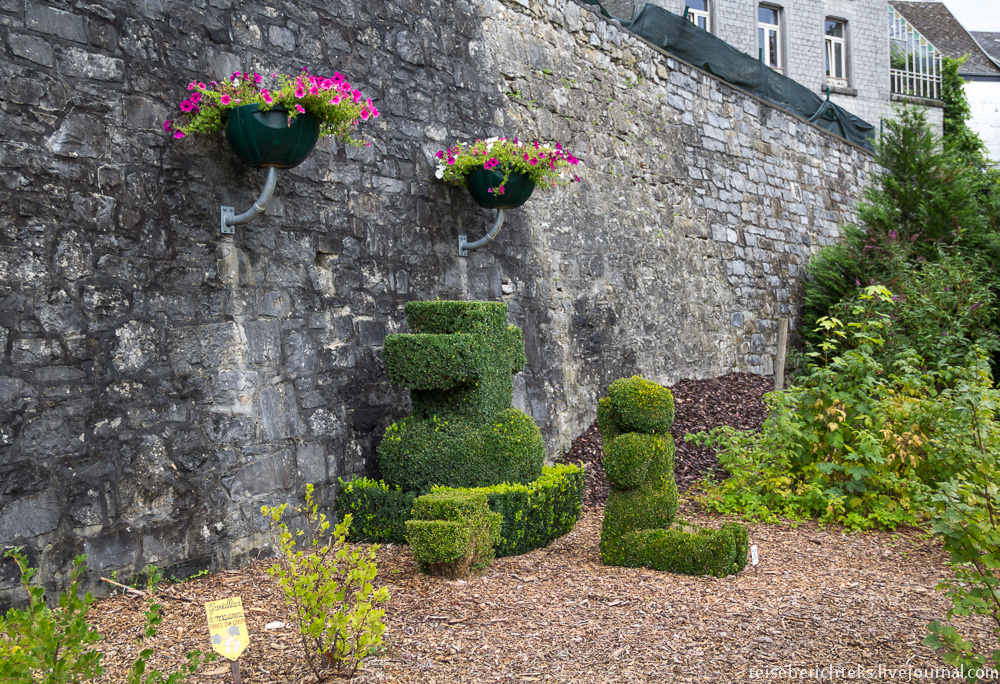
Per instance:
x=922, y=200
x=328, y=589
x=55, y=645
x=378, y=512
x=463, y=433
x=535, y=514
x=966, y=519
x=453, y=532
x=638, y=529
x=854, y=441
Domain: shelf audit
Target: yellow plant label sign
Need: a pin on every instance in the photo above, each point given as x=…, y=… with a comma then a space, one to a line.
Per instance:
x=228, y=627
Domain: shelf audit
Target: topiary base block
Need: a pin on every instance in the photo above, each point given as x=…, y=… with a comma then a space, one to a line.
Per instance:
x=452, y=533
x=684, y=549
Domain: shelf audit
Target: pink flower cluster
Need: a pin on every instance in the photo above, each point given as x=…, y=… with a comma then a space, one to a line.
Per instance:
x=334, y=100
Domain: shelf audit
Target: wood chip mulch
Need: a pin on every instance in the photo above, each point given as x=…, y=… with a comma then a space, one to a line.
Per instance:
x=819, y=599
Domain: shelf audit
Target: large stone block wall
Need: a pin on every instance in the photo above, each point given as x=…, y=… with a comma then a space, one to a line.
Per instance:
x=160, y=381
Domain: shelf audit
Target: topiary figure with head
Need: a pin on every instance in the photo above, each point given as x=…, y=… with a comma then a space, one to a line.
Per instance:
x=639, y=530
x=458, y=363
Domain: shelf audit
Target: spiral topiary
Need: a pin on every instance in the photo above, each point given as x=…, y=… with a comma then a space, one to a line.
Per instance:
x=638, y=529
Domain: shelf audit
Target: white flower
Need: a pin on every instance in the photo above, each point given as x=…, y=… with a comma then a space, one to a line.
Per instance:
x=439, y=173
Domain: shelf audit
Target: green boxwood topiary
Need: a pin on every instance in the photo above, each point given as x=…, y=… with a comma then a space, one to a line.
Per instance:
x=458, y=364
x=538, y=513
x=379, y=511
x=452, y=532
x=638, y=528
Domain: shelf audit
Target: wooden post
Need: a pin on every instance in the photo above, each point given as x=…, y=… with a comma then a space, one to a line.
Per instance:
x=236, y=672
x=779, y=357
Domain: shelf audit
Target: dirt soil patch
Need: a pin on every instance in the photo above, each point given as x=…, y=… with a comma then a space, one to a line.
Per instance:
x=819, y=600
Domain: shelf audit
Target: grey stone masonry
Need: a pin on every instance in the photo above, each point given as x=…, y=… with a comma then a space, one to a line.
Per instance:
x=160, y=381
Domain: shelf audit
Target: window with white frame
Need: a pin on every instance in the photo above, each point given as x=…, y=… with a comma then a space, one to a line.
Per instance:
x=698, y=14
x=836, y=53
x=914, y=63
x=769, y=35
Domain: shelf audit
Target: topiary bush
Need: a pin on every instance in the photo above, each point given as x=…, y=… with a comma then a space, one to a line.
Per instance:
x=458, y=364
x=379, y=511
x=638, y=528
x=453, y=532
x=535, y=514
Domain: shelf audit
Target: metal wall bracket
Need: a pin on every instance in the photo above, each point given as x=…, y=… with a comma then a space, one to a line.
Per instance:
x=227, y=215
x=464, y=245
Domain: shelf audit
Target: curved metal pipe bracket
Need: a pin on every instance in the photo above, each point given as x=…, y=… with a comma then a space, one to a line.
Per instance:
x=228, y=215
x=464, y=245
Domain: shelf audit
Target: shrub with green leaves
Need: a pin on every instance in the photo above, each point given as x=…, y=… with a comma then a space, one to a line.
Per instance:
x=453, y=533
x=56, y=645
x=378, y=512
x=855, y=441
x=924, y=203
x=328, y=588
x=966, y=519
x=458, y=363
x=638, y=528
x=535, y=514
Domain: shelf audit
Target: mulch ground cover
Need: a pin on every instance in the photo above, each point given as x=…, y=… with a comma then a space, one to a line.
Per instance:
x=840, y=607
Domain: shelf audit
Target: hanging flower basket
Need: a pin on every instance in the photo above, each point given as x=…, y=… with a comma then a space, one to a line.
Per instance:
x=273, y=121
x=269, y=138
x=482, y=183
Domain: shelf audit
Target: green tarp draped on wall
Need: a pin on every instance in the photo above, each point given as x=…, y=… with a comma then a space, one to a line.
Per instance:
x=700, y=48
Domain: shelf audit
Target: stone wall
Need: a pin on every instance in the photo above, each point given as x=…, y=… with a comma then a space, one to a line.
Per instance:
x=160, y=381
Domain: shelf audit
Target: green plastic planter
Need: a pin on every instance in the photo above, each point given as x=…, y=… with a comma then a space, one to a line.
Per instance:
x=516, y=190
x=262, y=139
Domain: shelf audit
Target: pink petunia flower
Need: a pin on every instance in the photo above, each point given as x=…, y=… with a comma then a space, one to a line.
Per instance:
x=225, y=99
x=168, y=124
x=336, y=100
x=451, y=160
x=300, y=109
x=256, y=77
x=300, y=93
x=178, y=134
x=314, y=90
x=267, y=96
x=186, y=106
x=365, y=114
x=201, y=85
x=195, y=98
x=356, y=94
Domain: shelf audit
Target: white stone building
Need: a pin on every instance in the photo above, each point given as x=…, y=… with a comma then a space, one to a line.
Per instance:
x=840, y=45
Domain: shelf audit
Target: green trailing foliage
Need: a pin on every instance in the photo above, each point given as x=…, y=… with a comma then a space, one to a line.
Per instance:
x=378, y=512
x=328, y=589
x=453, y=533
x=639, y=519
x=458, y=363
x=960, y=140
x=43, y=645
x=535, y=514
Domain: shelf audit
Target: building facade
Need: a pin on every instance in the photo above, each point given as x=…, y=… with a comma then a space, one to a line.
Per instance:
x=840, y=47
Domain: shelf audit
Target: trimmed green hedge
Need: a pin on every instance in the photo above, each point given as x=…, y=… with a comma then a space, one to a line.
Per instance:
x=452, y=533
x=536, y=514
x=463, y=432
x=418, y=454
x=687, y=549
x=379, y=511
x=637, y=405
x=638, y=528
